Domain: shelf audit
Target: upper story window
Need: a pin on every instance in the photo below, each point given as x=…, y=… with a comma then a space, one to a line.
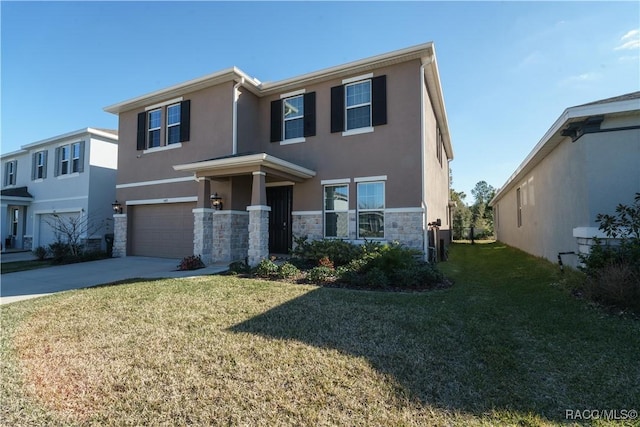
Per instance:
x=293, y=112
x=39, y=165
x=70, y=159
x=155, y=122
x=371, y=210
x=293, y=117
x=10, y=172
x=173, y=124
x=336, y=211
x=359, y=104
x=164, y=124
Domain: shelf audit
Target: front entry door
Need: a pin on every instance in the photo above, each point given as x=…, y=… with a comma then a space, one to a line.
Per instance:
x=279, y=200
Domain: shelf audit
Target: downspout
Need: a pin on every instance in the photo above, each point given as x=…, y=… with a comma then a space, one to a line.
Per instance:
x=423, y=203
x=236, y=95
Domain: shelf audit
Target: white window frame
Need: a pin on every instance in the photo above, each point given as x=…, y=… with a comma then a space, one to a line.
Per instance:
x=66, y=148
x=325, y=211
x=285, y=120
x=170, y=125
x=75, y=161
x=348, y=107
x=362, y=182
x=11, y=172
x=40, y=165
x=150, y=129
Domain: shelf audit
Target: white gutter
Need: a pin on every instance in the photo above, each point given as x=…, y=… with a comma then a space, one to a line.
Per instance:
x=423, y=204
x=236, y=95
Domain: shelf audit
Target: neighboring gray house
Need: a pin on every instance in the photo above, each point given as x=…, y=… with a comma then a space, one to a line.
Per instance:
x=587, y=163
x=356, y=151
x=70, y=175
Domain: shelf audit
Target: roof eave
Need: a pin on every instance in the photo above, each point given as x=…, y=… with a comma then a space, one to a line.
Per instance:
x=553, y=137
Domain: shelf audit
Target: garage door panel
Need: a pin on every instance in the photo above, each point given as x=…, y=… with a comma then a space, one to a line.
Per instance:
x=164, y=231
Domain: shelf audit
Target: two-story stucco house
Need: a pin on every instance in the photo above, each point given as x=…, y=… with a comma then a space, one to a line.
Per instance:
x=587, y=163
x=230, y=168
x=70, y=175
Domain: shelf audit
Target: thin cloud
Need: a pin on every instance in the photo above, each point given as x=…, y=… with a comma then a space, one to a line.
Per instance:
x=629, y=41
x=580, y=79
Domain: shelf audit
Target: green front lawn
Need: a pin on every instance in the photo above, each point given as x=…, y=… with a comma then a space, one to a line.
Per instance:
x=504, y=346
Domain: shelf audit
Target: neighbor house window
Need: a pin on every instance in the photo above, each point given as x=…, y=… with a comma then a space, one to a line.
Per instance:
x=336, y=211
x=39, y=167
x=360, y=103
x=151, y=131
x=173, y=124
x=293, y=117
x=10, y=172
x=519, y=207
x=69, y=159
x=293, y=113
x=371, y=210
x=155, y=123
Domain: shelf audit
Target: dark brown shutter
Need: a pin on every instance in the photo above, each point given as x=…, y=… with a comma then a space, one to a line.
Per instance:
x=276, y=120
x=142, y=131
x=185, y=120
x=337, y=108
x=379, y=100
x=309, y=114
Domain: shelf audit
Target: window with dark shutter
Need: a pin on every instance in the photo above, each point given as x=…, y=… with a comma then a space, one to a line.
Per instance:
x=185, y=120
x=276, y=121
x=337, y=108
x=142, y=132
x=379, y=101
x=309, y=114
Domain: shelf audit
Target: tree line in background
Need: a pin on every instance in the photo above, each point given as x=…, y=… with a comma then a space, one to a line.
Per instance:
x=478, y=216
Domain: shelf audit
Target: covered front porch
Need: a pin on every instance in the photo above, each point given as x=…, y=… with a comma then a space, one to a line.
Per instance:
x=235, y=224
x=14, y=206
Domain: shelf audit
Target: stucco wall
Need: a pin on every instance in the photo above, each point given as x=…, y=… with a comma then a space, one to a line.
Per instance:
x=568, y=188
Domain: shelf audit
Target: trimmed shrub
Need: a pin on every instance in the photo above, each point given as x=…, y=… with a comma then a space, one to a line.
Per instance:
x=239, y=267
x=320, y=274
x=40, y=252
x=288, y=271
x=266, y=269
x=339, y=252
x=60, y=252
x=192, y=262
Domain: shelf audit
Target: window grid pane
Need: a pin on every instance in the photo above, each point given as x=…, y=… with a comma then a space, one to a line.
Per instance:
x=371, y=210
x=173, y=115
x=336, y=206
x=358, y=105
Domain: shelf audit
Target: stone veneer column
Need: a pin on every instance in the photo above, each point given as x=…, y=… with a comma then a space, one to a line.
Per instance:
x=202, y=234
x=258, y=220
x=258, y=234
x=119, y=235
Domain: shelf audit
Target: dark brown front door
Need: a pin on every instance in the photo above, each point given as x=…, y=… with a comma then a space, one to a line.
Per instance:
x=279, y=200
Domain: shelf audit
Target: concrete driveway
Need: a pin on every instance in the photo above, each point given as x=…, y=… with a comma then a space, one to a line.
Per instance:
x=44, y=281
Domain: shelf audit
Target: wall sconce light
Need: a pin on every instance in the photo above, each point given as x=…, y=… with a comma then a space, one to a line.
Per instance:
x=117, y=207
x=216, y=202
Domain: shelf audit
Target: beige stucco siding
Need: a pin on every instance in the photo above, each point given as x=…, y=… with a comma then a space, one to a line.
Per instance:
x=436, y=176
x=392, y=149
x=211, y=136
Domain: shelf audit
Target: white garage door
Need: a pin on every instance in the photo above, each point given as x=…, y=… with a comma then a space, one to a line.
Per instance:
x=47, y=225
x=164, y=231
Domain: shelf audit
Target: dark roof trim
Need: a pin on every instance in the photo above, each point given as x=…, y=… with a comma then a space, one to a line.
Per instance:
x=16, y=192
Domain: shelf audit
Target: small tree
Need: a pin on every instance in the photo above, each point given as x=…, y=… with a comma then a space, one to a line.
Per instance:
x=461, y=214
x=70, y=229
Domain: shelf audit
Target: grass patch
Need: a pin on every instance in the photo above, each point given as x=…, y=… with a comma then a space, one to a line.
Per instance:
x=15, y=266
x=504, y=346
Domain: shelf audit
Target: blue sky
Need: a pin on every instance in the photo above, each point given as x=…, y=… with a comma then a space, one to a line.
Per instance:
x=508, y=69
